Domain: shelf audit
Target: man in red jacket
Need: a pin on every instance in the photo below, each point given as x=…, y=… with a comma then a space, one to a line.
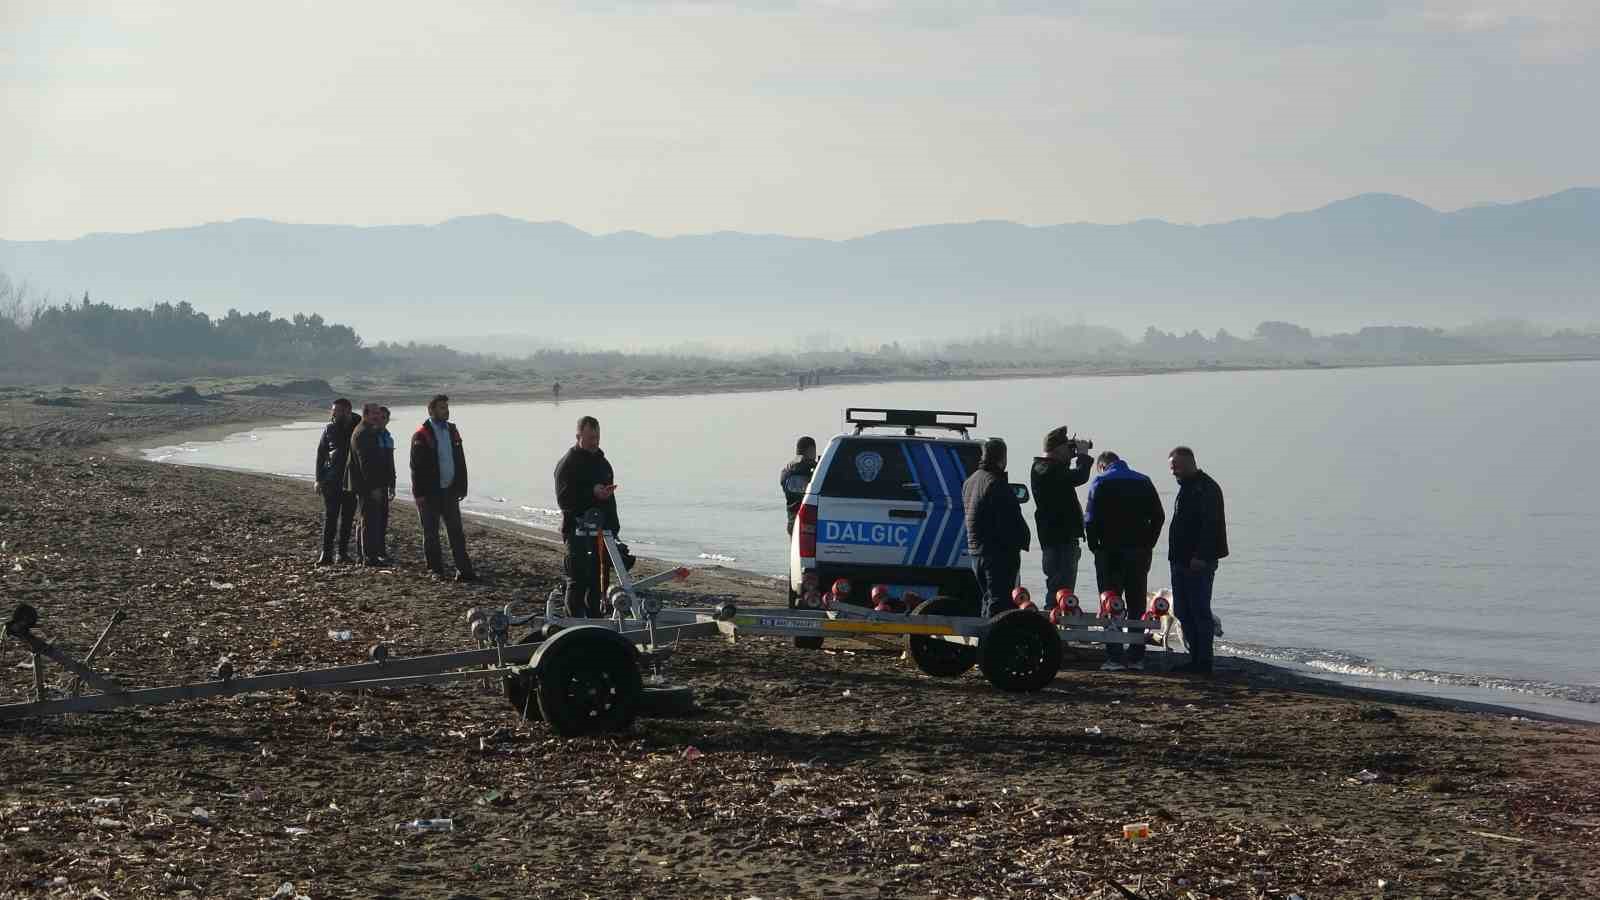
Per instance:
x=439, y=484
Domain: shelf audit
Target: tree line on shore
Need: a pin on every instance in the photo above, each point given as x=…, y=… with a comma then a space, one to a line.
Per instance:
x=86, y=341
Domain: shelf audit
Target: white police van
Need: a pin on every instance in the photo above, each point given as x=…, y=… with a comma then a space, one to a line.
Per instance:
x=884, y=510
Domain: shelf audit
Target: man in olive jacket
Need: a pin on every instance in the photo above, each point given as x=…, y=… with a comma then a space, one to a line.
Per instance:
x=439, y=484
x=371, y=479
x=1197, y=539
x=997, y=534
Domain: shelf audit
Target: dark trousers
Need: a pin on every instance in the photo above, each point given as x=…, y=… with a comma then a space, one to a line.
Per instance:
x=1127, y=571
x=581, y=565
x=338, y=517
x=1191, y=603
x=370, y=540
x=1060, y=563
x=997, y=575
x=432, y=509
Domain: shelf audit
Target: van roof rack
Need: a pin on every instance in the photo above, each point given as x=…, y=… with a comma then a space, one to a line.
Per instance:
x=864, y=417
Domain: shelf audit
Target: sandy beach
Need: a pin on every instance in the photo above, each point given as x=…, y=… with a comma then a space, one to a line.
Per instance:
x=842, y=773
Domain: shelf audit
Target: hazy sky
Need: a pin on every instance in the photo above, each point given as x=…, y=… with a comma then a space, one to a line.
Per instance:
x=814, y=117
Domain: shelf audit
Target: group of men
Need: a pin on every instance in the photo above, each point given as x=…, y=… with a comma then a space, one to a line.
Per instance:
x=355, y=473
x=1121, y=521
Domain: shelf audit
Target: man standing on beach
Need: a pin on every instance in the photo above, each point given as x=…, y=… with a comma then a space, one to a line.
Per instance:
x=997, y=533
x=439, y=484
x=1197, y=539
x=796, y=475
x=338, y=504
x=584, y=481
x=1057, y=513
x=1122, y=521
x=386, y=442
x=371, y=477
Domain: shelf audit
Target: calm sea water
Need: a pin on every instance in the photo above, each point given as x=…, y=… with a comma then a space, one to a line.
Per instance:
x=1425, y=527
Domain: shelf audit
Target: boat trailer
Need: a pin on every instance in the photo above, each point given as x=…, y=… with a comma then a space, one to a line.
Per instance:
x=589, y=676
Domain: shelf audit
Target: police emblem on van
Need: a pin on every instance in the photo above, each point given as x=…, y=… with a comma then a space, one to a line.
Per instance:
x=868, y=465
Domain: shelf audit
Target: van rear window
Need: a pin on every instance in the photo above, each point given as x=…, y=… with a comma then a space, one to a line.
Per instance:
x=870, y=470
x=877, y=470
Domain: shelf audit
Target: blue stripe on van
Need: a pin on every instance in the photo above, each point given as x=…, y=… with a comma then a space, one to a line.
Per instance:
x=948, y=550
x=914, y=549
x=939, y=494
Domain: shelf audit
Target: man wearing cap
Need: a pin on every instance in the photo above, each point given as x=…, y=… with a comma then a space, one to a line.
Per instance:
x=1056, y=512
x=796, y=475
x=997, y=533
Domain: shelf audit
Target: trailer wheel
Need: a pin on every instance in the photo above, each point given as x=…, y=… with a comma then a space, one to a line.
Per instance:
x=588, y=683
x=808, y=643
x=1021, y=653
x=666, y=701
x=941, y=659
x=519, y=688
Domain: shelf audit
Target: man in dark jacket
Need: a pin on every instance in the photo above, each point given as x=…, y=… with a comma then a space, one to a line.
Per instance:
x=997, y=534
x=371, y=477
x=796, y=475
x=439, y=484
x=1197, y=539
x=338, y=504
x=1122, y=521
x=585, y=481
x=1056, y=477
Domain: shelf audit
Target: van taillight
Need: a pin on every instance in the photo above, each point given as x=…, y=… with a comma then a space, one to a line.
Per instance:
x=807, y=520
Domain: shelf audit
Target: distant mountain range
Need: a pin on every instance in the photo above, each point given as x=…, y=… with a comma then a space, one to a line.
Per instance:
x=1371, y=259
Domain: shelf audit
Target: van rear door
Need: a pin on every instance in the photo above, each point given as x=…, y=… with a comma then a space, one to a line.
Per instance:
x=895, y=503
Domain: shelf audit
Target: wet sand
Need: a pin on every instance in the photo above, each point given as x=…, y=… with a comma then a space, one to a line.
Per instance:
x=841, y=773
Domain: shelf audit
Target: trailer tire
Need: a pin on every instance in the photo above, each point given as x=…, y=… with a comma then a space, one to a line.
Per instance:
x=941, y=659
x=808, y=642
x=1021, y=653
x=519, y=688
x=667, y=701
x=588, y=681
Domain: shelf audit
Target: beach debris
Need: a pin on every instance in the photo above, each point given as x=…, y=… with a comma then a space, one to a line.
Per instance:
x=296, y=831
x=103, y=822
x=286, y=891
x=1136, y=831
x=1384, y=884
x=105, y=802
x=692, y=752
x=200, y=815
x=340, y=634
x=1365, y=776
x=422, y=826
x=222, y=585
x=1501, y=837
x=1093, y=729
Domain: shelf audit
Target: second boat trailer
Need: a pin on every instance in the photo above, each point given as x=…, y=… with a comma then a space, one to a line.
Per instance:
x=589, y=676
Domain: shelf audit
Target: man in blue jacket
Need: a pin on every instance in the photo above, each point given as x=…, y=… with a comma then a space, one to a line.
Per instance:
x=1197, y=539
x=338, y=504
x=1122, y=521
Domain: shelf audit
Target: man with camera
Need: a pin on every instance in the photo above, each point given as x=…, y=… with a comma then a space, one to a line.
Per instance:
x=1056, y=477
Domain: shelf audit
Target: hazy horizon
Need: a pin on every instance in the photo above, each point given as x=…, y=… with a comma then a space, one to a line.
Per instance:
x=820, y=118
